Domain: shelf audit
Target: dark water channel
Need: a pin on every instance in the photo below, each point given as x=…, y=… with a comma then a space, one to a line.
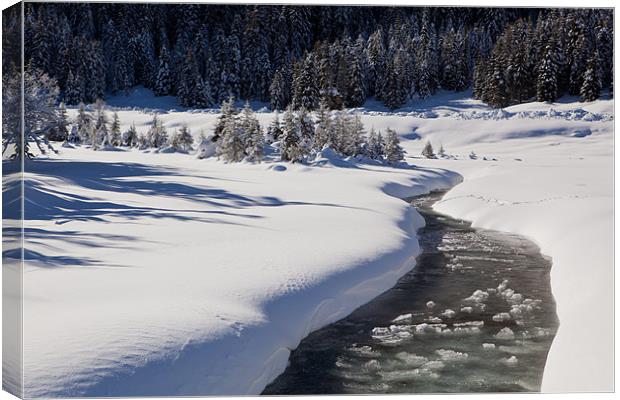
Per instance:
x=476, y=314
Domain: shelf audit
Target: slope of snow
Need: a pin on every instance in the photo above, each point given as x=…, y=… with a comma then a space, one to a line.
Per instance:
x=162, y=274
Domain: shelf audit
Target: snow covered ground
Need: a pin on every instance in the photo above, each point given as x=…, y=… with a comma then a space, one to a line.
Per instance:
x=162, y=274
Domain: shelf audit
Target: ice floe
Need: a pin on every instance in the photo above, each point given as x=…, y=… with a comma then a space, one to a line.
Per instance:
x=505, y=334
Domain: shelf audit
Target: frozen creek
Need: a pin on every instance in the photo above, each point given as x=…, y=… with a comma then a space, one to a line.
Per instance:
x=476, y=314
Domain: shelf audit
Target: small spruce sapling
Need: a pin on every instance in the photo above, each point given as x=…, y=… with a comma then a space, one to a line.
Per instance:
x=428, y=151
x=441, y=153
x=115, y=131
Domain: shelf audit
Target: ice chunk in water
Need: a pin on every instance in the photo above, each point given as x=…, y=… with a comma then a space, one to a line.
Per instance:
x=412, y=360
x=372, y=365
x=434, y=365
x=488, y=346
x=451, y=355
x=407, y=375
x=515, y=298
x=511, y=361
x=505, y=334
x=504, y=316
x=502, y=286
x=364, y=351
x=403, y=318
x=467, y=310
x=434, y=320
x=478, y=324
x=466, y=331
x=392, y=335
x=430, y=304
x=537, y=332
x=477, y=297
x=448, y=313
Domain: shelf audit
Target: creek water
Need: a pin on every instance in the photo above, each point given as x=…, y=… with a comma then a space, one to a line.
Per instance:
x=476, y=314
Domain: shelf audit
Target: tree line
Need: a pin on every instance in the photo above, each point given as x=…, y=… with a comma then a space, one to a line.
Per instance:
x=306, y=56
x=299, y=136
x=565, y=52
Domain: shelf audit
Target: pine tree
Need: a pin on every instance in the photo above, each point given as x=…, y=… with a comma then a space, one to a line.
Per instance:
x=394, y=91
x=84, y=123
x=323, y=135
x=255, y=65
x=227, y=113
x=157, y=136
x=546, y=83
x=185, y=139
x=374, y=148
x=393, y=151
x=74, y=137
x=274, y=131
x=192, y=89
x=60, y=132
x=356, y=82
x=163, y=83
x=130, y=137
x=280, y=89
x=249, y=125
x=442, y=152
x=100, y=135
x=143, y=142
x=306, y=131
x=353, y=137
x=255, y=145
x=290, y=149
x=115, y=131
x=231, y=146
x=377, y=60
x=591, y=87
x=428, y=151
x=305, y=85
x=74, y=89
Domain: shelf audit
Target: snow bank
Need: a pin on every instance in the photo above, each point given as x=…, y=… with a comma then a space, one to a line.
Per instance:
x=163, y=274
x=556, y=188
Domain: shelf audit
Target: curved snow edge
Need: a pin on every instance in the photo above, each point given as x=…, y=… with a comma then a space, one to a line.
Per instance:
x=246, y=362
x=576, y=348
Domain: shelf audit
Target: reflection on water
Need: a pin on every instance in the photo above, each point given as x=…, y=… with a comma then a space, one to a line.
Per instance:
x=475, y=315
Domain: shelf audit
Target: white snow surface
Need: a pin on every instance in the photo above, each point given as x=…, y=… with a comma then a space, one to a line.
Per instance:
x=163, y=274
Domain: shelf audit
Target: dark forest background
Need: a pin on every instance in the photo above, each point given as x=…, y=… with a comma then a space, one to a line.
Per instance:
x=305, y=56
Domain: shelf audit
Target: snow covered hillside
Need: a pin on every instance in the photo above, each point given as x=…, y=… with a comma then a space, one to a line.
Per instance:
x=164, y=274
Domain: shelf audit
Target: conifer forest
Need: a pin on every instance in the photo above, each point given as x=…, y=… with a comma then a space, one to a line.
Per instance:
x=306, y=56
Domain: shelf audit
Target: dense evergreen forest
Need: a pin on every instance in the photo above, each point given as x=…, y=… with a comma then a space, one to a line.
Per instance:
x=306, y=56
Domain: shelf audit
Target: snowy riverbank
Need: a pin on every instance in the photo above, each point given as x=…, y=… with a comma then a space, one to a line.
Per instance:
x=556, y=188
x=162, y=274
